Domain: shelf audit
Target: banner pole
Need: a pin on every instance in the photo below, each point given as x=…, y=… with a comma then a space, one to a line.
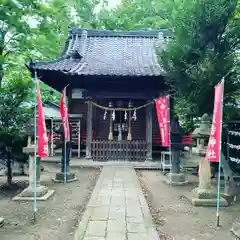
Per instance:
x=170, y=142
x=79, y=139
x=35, y=150
x=52, y=137
x=220, y=161
x=65, y=159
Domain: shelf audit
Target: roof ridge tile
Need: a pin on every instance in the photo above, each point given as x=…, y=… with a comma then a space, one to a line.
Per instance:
x=144, y=33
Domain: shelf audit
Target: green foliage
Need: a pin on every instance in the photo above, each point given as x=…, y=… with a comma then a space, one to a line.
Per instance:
x=201, y=52
x=13, y=118
x=14, y=114
x=132, y=15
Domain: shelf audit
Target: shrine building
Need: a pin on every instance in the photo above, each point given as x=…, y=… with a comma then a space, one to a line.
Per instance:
x=112, y=79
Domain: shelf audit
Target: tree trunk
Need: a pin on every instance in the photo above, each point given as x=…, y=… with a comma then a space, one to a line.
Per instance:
x=1, y=75
x=9, y=169
x=1, y=62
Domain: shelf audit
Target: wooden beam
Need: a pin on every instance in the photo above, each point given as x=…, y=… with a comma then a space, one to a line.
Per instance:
x=149, y=131
x=89, y=132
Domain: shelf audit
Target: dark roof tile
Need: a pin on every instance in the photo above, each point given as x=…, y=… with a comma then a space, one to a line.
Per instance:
x=109, y=53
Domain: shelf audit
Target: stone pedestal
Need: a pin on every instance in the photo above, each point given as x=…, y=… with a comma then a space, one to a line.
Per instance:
x=1, y=221
x=175, y=179
x=42, y=192
x=70, y=177
x=60, y=177
x=205, y=195
x=205, y=198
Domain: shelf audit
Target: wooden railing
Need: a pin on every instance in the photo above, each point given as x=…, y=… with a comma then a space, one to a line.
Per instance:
x=103, y=150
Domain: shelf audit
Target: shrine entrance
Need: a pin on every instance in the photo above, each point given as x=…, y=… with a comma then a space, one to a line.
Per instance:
x=119, y=118
x=100, y=67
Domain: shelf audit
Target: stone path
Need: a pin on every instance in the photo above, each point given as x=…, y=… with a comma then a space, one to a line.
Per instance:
x=75, y=162
x=117, y=209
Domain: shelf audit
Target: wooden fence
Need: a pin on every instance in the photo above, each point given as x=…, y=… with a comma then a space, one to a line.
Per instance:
x=103, y=150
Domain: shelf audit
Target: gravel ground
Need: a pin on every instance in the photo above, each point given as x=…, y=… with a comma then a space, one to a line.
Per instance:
x=176, y=219
x=57, y=218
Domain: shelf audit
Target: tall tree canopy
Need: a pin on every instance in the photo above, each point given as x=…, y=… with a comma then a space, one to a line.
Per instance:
x=200, y=53
x=134, y=14
x=205, y=37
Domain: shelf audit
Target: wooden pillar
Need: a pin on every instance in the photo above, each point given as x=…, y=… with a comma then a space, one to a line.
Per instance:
x=149, y=131
x=129, y=136
x=89, y=132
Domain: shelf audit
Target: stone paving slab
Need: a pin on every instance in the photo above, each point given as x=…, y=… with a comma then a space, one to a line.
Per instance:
x=117, y=209
x=97, y=164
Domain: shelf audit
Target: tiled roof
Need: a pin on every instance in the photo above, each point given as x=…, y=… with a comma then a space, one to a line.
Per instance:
x=101, y=52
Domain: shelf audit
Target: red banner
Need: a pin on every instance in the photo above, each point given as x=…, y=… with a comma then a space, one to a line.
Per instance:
x=214, y=143
x=64, y=115
x=42, y=140
x=163, y=119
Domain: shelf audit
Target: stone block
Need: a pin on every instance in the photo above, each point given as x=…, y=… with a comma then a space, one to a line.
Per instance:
x=204, y=193
x=117, y=201
x=114, y=225
x=136, y=228
x=70, y=177
x=208, y=202
x=134, y=212
x=96, y=228
x=28, y=195
x=117, y=213
x=175, y=179
x=137, y=236
x=134, y=220
x=29, y=149
x=100, y=213
x=29, y=191
x=116, y=236
x=205, y=202
x=93, y=238
x=101, y=202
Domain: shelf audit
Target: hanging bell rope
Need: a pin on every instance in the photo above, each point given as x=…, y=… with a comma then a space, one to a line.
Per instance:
x=105, y=115
x=125, y=115
x=120, y=109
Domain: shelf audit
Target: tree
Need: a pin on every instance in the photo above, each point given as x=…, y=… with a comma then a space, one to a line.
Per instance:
x=31, y=29
x=14, y=27
x=134, y=15
x=205, y=38
x=202, y=51
x=13, y=118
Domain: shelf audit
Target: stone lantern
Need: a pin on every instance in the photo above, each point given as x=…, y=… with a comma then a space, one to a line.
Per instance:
x=204, y=194
x=201, y=134
x=43, y=193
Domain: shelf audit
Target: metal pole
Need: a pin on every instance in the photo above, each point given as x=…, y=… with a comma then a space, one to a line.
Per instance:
x=228, y=141
x=52, y=137
x=35, y=149
x=170, y=142
x=220, y=161
x=79, y=138
x=65, y=159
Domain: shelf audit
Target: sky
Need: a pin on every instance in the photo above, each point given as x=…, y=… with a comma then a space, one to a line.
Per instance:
x=111, y=4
